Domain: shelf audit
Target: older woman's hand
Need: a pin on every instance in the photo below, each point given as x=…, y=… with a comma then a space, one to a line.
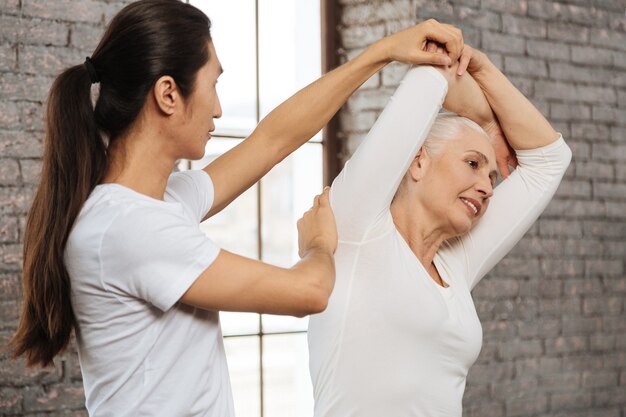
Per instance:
x=472, y=60
x=409, y=45
x=505, y=155
x=466, y=98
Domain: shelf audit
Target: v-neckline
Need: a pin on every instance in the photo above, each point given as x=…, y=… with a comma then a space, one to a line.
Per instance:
x=436, y=263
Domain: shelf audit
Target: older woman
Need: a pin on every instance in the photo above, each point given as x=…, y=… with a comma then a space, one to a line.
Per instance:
x=419, y=225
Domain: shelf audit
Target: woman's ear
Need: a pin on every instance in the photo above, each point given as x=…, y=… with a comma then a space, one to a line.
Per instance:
x=166, y=95
x=420, y=165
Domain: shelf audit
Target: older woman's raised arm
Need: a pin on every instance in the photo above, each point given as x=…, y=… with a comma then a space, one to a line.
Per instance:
x=524, y=126
x=518, y=201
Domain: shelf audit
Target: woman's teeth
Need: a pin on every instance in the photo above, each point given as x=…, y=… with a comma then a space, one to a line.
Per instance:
x=470, y=205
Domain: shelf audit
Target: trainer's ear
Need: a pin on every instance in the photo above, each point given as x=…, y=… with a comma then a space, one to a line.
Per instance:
x=166, y=95
x=420, y=165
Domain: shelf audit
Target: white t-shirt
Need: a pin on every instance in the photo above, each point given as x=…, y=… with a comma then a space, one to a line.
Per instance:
x=392, y=342
x=130, y=258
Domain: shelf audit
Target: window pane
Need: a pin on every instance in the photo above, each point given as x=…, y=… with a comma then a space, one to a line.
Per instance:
x=234, y=229
x=233, y=32
x=281, y=324
x=287, y=192
x=287, y=386
x=244, y=367
x=289, y=49
x=238, y=324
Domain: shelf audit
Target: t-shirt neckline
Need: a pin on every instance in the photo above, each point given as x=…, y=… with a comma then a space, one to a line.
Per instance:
x=135, y=194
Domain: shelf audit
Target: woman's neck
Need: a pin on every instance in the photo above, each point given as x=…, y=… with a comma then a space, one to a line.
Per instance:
x=418, y=227
x=138, y=162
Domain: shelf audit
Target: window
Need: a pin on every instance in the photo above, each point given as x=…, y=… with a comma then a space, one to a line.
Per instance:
x=269, y=49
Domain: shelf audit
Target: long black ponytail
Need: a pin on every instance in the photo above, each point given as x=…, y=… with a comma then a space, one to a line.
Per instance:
x=145, y=40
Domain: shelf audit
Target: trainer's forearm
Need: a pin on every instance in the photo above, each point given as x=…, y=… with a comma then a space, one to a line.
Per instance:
x=316, y=275
x=300, y=117
x=524, y=126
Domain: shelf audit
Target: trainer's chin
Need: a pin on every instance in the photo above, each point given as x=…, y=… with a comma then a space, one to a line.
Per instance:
x=199, y=152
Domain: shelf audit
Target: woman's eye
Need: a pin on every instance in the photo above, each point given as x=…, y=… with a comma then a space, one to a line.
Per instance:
x=473, y=164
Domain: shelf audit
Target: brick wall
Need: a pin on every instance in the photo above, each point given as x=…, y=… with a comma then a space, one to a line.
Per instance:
x=38, y=38
x=554, y=310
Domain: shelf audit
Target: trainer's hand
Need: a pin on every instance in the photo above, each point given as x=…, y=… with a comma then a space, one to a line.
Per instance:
x=317, y=228
x=409, y=45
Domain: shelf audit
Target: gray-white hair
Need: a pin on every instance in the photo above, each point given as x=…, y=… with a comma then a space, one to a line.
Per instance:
x=449, y=126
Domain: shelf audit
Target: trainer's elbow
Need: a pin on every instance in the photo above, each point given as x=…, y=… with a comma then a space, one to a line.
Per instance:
x=316, y=281
x=317, y=302
x=315, y=296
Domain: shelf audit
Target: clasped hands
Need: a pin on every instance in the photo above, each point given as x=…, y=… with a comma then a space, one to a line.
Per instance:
x=467, y=97
x=442, y=46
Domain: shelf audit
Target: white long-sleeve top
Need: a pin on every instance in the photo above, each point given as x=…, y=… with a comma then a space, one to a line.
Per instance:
x=392, y=342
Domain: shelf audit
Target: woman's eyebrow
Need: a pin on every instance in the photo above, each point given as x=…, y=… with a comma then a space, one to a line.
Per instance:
x=482, y=156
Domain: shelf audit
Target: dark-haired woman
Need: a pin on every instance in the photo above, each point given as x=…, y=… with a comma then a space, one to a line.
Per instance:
x=112, y=246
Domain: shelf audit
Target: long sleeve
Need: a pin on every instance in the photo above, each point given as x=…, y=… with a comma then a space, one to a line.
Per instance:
x=364, y=189
x=516, y=204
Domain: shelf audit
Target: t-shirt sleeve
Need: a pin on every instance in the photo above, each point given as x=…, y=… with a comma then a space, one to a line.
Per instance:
x=516, y=204
x=194, y=189
x=153, y=255
x=364, y=189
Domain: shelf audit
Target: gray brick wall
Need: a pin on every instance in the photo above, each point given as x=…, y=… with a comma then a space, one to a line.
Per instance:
x=38, y=38
x=554, y=310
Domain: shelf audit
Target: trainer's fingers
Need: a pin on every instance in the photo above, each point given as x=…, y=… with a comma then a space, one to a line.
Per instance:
x=458, y=35
x=451, y=38
x=454, y=49
x=434, y=58
x=431, y=47
x=325, y=197
x=448, y=37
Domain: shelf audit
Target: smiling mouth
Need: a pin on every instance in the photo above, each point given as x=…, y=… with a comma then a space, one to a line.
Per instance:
x=472, y=205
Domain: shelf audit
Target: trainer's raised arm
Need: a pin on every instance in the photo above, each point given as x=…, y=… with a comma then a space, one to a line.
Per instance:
x=301, y=116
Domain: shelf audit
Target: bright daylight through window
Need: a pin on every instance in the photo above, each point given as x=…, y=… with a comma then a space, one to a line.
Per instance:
x=269, y=49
